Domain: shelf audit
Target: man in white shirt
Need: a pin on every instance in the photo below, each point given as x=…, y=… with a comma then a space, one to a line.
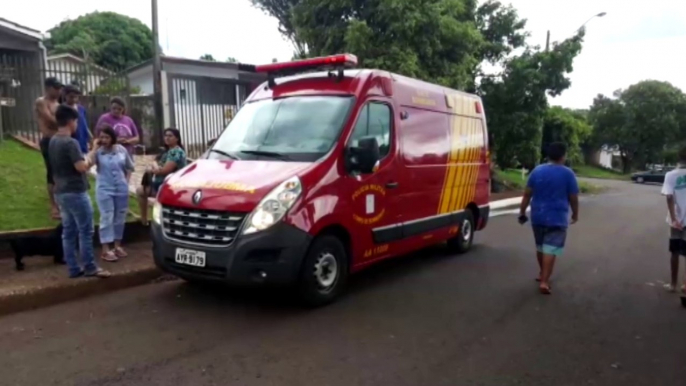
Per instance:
x=674, y=188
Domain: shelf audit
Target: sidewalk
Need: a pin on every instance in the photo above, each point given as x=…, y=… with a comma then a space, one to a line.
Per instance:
x=43, y=283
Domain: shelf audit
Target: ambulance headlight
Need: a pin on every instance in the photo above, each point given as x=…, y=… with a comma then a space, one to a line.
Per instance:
x=157, y=213
x=274, y=206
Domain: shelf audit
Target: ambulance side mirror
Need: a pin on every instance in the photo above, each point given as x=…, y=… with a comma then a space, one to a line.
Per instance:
x=363, y=157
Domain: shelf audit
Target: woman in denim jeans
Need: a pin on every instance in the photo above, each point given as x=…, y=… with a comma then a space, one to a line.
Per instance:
x=112, y=191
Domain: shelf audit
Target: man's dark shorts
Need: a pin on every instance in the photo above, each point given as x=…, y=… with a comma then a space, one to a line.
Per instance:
x=44, y=146
x=677, y=241
x=550, y=240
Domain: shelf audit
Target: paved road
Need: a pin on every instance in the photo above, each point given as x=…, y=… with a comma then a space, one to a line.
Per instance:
x=429, y=319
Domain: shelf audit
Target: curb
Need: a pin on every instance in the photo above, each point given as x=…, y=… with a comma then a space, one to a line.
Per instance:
x=506, y=203
x=78, y=289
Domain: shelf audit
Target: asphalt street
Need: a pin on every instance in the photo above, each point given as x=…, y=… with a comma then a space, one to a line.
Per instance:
x=426, y=319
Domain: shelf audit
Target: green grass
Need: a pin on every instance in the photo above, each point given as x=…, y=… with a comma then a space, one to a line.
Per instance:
x=589, y=171
x=25, y=203
x=512, y=178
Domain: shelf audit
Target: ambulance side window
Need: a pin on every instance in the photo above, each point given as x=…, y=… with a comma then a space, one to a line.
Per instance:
x=374, y=120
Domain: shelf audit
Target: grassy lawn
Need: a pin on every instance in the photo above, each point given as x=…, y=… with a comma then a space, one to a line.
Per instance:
x=25, y=203
x=588, y=171
x=513, y=179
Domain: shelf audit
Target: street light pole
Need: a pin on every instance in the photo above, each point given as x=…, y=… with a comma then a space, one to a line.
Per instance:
x=157, y=76
x=601, y=14
x=547, y=39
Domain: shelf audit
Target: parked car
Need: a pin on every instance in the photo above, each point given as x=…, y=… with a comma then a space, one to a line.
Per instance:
x=653, y=176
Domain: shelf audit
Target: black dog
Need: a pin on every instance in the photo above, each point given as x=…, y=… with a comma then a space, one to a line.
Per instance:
x=48, y=245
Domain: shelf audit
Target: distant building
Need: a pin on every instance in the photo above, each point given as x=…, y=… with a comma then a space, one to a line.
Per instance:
x=606, y=155
x=199, y=97
x=70, y=68
x=22, y=60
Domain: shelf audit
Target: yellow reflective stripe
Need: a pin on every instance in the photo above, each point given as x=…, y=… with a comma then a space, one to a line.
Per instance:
x=460, y=172
x=450, y=172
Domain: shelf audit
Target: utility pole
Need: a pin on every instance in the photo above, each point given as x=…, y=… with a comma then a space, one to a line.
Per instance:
x=547, y=41
x=157, y=77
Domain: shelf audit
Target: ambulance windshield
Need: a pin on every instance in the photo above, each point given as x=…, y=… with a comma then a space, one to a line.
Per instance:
x=302, y=128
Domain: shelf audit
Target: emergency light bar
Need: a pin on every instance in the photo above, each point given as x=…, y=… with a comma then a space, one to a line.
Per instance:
x=339, y=62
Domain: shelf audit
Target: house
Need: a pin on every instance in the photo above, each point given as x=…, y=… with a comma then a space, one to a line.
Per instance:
x=71, y=68
x=199, y=97
x=22, y=60
x=606, y=156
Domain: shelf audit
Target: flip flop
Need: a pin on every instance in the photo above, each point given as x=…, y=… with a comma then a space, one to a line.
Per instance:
x=538, y=280
x=99, y=273
x=120, y=252
x=545, y=290
x=110, y=257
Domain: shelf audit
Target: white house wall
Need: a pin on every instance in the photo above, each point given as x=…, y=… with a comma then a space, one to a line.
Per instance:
x=142, y=78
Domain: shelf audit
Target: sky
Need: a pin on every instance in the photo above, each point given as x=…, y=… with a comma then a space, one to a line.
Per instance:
x=636, y=40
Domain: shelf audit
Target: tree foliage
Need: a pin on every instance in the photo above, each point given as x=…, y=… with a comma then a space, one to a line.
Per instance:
x=566, y=126
x=641, y=121
x=516, y=101
x=208, y=58
x=108, y=39
x=448, y=42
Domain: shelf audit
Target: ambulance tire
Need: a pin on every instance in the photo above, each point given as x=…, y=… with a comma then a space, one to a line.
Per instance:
x=324, y=272
x=465, y=237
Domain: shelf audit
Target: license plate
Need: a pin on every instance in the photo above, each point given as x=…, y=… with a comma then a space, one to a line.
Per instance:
x=190, y=257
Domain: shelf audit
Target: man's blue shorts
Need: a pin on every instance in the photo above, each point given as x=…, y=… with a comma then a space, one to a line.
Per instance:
x=550, y=240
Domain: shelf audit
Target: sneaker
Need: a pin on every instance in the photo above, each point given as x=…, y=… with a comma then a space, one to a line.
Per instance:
x=100, y=273
x=670, y=288
x=76, y=275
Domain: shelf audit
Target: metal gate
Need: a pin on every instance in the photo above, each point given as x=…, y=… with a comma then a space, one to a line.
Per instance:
x=21, y=83
x=21, y=79
x=201, y=107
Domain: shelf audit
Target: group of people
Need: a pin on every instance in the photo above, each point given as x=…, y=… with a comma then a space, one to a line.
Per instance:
x=552, y=190
x=70, y=150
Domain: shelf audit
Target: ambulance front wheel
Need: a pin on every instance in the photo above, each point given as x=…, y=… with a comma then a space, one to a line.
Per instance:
x=324, y=272
x=462, y=242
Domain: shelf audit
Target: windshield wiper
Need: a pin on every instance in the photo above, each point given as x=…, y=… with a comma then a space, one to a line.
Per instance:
x=225, y=154
x=266, y=153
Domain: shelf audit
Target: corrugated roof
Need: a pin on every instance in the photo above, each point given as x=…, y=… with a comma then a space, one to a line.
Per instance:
x=34, y=33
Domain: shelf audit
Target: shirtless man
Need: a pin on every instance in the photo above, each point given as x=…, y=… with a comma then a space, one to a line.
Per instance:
x=45, y=108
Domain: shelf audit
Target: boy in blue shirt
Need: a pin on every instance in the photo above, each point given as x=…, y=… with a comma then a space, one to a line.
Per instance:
x=82, y=134
x=551, y=189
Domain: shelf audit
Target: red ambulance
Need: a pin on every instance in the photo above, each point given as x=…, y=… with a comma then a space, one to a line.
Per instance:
x=321, y=174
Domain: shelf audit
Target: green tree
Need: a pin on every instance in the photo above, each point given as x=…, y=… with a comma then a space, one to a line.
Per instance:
x=282, y=10
x=562, y=125
x=108, y=39
x=231, y=59
x=445, y=42
x=516, y=100
x=208, y=57
x=641, y=121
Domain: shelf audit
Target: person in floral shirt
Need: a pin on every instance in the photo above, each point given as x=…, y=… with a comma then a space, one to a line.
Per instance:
x=172, y=160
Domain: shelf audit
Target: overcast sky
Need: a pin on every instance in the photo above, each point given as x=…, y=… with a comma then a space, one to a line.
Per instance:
x=637, y=39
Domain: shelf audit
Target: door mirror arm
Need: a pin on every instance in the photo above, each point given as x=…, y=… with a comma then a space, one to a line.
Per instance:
x=364, y=157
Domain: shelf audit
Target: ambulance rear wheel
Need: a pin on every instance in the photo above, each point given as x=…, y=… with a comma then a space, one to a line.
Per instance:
x=324, y=272
x=462, y=242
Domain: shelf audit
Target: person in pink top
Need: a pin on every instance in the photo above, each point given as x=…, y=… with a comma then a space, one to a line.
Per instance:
x=125, y=128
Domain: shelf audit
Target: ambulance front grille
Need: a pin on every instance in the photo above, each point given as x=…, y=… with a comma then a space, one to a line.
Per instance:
x=199, y=226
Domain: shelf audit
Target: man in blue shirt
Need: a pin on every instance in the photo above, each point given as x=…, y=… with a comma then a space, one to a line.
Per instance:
x=551, y=189
x=82, y=134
